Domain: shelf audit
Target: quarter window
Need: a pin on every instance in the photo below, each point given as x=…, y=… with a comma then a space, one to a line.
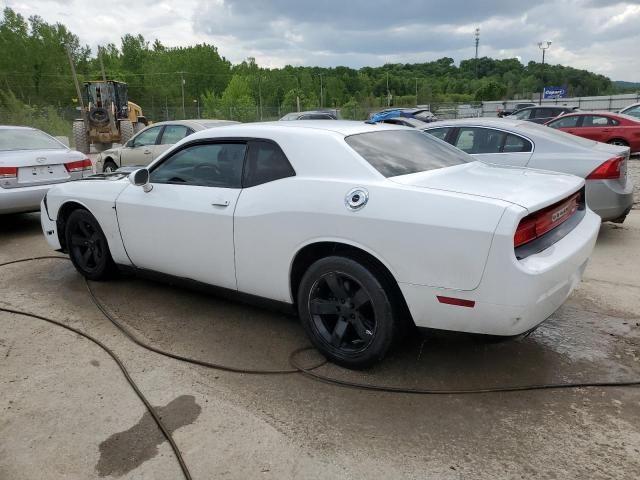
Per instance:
x=514, y=143
x=173, y=134
x=266, y=162
x=206, y=165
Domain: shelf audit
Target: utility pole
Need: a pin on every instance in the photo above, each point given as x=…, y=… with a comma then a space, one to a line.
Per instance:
x=477, y=35
x=543, y=46
x=104, y=75
x=260, y=95
x=388, y=92
x=184, y=114
x=416, y=91
x=75, y=81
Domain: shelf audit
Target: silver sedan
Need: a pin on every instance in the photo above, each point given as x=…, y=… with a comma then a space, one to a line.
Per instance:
x=526, y=144
x=30, y=163
x=150, y=142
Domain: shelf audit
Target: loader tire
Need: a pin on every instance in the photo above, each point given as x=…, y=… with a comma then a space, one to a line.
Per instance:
x=126, y=131
x=80, y=137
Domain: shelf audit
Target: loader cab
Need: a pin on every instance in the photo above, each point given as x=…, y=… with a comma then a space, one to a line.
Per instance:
x=102, y=95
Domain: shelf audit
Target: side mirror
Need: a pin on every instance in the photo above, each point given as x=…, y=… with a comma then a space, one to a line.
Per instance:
x=140, y=178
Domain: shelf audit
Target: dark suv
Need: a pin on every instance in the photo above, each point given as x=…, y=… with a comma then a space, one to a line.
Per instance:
x=541, y=114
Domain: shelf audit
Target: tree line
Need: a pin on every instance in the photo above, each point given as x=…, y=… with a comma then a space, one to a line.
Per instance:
x=175, y=82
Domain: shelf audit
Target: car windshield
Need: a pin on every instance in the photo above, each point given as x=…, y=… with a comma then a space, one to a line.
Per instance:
x=27, y=139
x=402, y=152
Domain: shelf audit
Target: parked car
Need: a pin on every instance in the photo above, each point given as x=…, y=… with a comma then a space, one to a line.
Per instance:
x=518, y=106
x=632, y=110
x=524, y=144
x=30, y=163
x=406, y=121
x=397, y=117
x=150, y=142
x=541, y=114
x=423, y=114
x=312, y=115
x=607, y=127
x=360, y=227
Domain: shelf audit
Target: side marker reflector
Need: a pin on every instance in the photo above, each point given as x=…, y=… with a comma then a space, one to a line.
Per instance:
x=460, y=302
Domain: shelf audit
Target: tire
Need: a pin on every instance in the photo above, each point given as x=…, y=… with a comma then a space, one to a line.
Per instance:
x=80, y=137
x=618, y=141
x=87, y=246
x=99, y=116
x=126, y=131
x=138, y=126
x=109, y=166
x=346, y=312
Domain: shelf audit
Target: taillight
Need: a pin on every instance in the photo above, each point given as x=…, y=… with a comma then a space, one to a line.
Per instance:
x=540, y=222
x=8, y=172
x=608, y=170
x=78, y=166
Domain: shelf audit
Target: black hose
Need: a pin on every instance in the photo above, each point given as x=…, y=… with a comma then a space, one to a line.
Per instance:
x=297, y=368
x=127, y=376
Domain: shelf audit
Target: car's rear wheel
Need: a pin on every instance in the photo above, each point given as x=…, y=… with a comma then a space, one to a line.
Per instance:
x=346, y=312
x=619, y=142
x=87, y=245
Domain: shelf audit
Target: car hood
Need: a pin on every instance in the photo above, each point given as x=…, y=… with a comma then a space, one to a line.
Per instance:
x=529, y=188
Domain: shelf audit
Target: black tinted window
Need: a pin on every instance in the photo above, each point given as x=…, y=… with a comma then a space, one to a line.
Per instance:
x=401, y=152
x=266, y=162
x=207, y=165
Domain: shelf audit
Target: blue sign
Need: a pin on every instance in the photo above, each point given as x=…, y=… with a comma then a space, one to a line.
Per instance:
x=554, y=92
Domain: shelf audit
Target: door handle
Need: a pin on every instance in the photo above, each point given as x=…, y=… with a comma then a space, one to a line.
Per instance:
x=146, y=151
x=220, y=203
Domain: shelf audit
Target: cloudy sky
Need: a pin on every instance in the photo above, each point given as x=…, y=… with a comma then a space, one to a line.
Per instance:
x=598, y=35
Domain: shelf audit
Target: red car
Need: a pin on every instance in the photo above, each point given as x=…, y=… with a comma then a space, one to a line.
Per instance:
x=607, y=127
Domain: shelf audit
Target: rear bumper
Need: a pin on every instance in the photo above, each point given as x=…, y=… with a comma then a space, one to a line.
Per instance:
x=22, y=199
x=514, y=295
x=609, y=199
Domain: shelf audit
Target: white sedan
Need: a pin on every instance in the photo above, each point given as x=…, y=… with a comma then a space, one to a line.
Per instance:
x=30, y=162
x=363, y=228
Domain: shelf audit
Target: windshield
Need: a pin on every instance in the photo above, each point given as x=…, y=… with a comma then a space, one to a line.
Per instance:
x=402, y=152
x=27, y=139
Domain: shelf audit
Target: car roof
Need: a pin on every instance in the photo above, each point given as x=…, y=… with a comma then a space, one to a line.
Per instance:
x=193, y=122
x=478, y=121
x=341, y=127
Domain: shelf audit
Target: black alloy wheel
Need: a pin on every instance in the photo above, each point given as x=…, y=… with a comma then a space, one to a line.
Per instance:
x=346, y=312
x=88, y=246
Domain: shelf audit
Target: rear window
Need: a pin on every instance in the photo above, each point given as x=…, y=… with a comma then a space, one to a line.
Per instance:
x=402, y=152
x=25, y=139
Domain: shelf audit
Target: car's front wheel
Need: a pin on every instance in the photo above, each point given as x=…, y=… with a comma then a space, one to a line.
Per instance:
x=87, y=245
x=346, y=312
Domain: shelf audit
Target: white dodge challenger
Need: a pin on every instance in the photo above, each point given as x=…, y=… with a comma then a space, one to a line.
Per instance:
x=363, y=228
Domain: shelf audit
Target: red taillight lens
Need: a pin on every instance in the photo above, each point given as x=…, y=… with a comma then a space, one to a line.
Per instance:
x=78, y=166
x=459, y=302
x=608, y=170
x=8, y=172
x=545, y=220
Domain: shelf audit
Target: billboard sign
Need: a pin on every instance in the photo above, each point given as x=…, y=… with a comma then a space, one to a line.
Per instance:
x=554, y=92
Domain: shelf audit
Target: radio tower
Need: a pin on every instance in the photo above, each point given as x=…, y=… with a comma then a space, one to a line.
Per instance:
x=477, y=35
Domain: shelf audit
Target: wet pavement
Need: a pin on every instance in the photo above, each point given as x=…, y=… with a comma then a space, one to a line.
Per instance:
x=66, y=411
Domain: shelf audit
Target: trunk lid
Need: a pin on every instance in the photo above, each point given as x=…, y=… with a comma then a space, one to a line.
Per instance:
x=39, y=167
x=529, y=188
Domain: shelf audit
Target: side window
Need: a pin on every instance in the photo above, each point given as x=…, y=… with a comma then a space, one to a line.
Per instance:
x=480, y=140
x=440, y=133
x=148, y=137
x=565, y=122
x=206, y=165
x=514, y=143
x=465, y=140
x=523, y=115
x=595, y=121
x=173, y=134
x=634, y=112
x=265, y=163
